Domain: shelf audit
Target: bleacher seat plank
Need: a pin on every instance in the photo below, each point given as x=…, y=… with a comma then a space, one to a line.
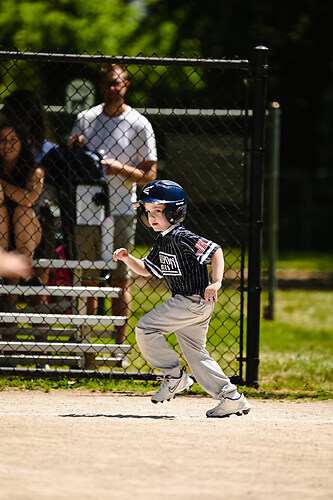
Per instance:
x=40, y=331
x=63, y=291
x=75, y=264
x=64, y=347
x=63, y=319
x=40, y=359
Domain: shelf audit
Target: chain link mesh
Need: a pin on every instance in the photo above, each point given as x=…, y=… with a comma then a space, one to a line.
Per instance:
x=67, y=319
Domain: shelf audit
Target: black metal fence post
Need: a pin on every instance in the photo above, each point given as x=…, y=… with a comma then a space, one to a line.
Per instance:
x=256, y=213
x=272, y=203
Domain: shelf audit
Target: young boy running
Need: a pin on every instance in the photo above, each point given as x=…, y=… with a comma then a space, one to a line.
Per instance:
x=181, y=257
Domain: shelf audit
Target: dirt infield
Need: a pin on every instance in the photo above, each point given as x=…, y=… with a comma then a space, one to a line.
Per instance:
x=81, y=445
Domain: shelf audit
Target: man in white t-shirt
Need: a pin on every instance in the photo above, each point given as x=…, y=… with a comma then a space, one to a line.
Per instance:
x=126, y=141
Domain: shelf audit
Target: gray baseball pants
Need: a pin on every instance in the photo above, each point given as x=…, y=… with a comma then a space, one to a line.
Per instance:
x=188, y=318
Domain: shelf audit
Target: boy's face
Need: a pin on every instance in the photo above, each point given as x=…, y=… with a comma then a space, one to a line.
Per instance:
x=156, y=217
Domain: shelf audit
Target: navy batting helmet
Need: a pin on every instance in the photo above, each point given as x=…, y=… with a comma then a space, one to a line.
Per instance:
x=167, y=192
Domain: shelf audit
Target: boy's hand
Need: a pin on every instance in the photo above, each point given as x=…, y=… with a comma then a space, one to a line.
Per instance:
x=211, y=292
x=120, y=254
x=137, y=265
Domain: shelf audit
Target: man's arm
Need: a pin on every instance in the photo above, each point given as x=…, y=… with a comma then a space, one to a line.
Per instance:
x=144, y=173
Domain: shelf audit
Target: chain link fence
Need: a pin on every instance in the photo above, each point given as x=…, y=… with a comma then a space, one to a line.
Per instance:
x=77, y=314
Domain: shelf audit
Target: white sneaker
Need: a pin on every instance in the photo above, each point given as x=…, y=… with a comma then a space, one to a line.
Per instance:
x=229, y=407
x=171, y=386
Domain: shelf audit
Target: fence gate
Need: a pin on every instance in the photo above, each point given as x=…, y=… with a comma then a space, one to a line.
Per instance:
x=208, y=121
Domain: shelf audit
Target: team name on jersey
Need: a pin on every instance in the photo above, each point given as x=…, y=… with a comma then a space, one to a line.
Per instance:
x=169, y=264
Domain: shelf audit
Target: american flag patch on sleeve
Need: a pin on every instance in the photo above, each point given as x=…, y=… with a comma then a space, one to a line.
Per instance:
x=201, y=247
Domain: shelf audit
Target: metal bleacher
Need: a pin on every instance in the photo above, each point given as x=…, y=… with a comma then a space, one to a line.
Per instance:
x=56, y=341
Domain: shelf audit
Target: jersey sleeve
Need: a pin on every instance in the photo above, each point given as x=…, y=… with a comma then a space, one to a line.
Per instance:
x=152, y=263
x=202, y=248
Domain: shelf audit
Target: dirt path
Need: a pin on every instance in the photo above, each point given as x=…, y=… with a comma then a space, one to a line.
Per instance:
x=81, y=445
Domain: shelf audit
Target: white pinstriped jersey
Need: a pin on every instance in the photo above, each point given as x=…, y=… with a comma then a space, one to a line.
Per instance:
x=181, y=257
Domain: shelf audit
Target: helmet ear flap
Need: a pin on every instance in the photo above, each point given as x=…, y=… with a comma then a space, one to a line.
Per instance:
x=175, y=215
x=170, y=214
x=143, y=215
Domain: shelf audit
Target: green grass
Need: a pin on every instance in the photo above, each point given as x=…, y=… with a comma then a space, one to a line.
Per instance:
x=311, y=261
x=295, y=354
x=295, y=348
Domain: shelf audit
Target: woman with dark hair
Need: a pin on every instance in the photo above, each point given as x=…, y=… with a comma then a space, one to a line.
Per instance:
x=24, y=110
x=21, y=182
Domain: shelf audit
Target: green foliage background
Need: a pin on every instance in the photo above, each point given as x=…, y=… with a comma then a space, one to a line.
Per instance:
x=68, y=26
x=300, y=71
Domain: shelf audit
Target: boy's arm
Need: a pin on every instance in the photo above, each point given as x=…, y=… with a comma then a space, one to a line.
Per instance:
x=132, y=262
x=217, y=262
